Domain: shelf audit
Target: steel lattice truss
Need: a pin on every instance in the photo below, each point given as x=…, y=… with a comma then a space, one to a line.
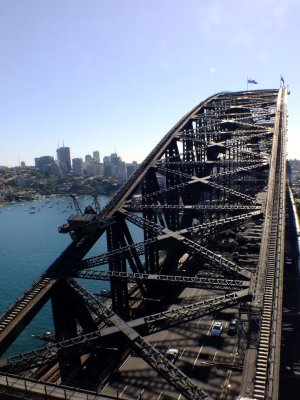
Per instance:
x=203, y=205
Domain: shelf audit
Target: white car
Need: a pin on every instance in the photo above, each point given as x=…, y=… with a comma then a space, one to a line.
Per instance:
x=172, y=354
x=217, y=328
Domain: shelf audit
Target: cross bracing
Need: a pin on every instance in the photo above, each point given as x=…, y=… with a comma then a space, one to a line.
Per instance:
x=206, y=229
x=201, y=204
x=193, y=281
x=148, y=324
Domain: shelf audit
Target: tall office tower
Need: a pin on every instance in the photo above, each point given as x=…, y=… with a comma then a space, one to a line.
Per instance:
x=77, y=164
x=107, y=166
x=118, y=168
x=96, y=155
x=64, y=158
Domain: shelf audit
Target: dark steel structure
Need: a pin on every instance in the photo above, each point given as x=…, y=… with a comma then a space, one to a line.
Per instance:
x=209, y=204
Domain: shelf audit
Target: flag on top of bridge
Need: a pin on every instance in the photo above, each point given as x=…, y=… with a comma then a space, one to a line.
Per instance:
x=250, y=80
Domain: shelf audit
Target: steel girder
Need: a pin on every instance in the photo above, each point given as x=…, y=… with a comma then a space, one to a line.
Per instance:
x=146, y=325
x=191, y=246
x=206, y=230
x=208, y=178
x=193, y=281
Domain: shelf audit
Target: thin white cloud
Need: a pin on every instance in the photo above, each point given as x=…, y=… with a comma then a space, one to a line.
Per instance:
x=215, y=14
x=208, y=18
x=242, y=39
x=279, y=14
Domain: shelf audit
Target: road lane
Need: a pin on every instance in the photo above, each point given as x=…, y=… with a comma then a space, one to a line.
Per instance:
x=202, y=357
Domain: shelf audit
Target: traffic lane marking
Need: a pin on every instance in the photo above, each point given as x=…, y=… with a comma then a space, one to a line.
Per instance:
x=123, y=390
x=196, y=359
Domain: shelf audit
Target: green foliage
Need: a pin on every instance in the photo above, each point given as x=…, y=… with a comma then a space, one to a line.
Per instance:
x=38, y=184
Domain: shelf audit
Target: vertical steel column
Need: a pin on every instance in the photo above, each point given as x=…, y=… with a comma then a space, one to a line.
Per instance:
x=119, y=287
x=173, y=197
x=65, y=325
x=150, y=185
x=134, y=259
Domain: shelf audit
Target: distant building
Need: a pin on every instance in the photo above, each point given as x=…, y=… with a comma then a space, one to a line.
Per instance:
x=115, y=159
x=92, y=165
x=122, y=172
x=107, y=166
x=23, y=164
x=115, y=167
x=77, y=164
x=64, y=158
x=44, y=160
x=54, y=169
x=47, y=165
x=118, y=167
x=20, y=180
x=96, y=156
x=93, y=169
x=130, y=168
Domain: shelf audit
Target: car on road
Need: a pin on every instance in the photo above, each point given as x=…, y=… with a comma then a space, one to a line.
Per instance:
x=288, y=260
x=217, y=328
x=172, y=354
x=232, y=327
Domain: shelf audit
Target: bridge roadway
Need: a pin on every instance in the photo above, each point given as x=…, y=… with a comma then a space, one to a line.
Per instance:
x=212, y=362
x=211, y=201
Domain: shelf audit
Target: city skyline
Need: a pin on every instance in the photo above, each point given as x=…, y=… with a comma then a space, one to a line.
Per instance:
x=97, y=74
x=83, y=157
x=20, y=160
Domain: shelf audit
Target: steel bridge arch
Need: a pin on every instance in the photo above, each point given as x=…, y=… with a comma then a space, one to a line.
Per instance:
x=208, y=195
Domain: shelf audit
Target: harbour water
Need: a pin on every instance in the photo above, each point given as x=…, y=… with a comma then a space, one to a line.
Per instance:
x=29, y=243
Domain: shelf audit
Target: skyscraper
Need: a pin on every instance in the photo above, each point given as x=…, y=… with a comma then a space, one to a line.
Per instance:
x=96, y=155
x=64, y=158
x=77, y=166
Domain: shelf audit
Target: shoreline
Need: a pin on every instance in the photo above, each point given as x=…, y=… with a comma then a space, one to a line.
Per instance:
x=44, y=197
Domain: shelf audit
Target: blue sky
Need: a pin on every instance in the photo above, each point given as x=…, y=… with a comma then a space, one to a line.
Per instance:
x=118, y=74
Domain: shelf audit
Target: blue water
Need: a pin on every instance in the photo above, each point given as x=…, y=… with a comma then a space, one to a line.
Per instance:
x=29, y=243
